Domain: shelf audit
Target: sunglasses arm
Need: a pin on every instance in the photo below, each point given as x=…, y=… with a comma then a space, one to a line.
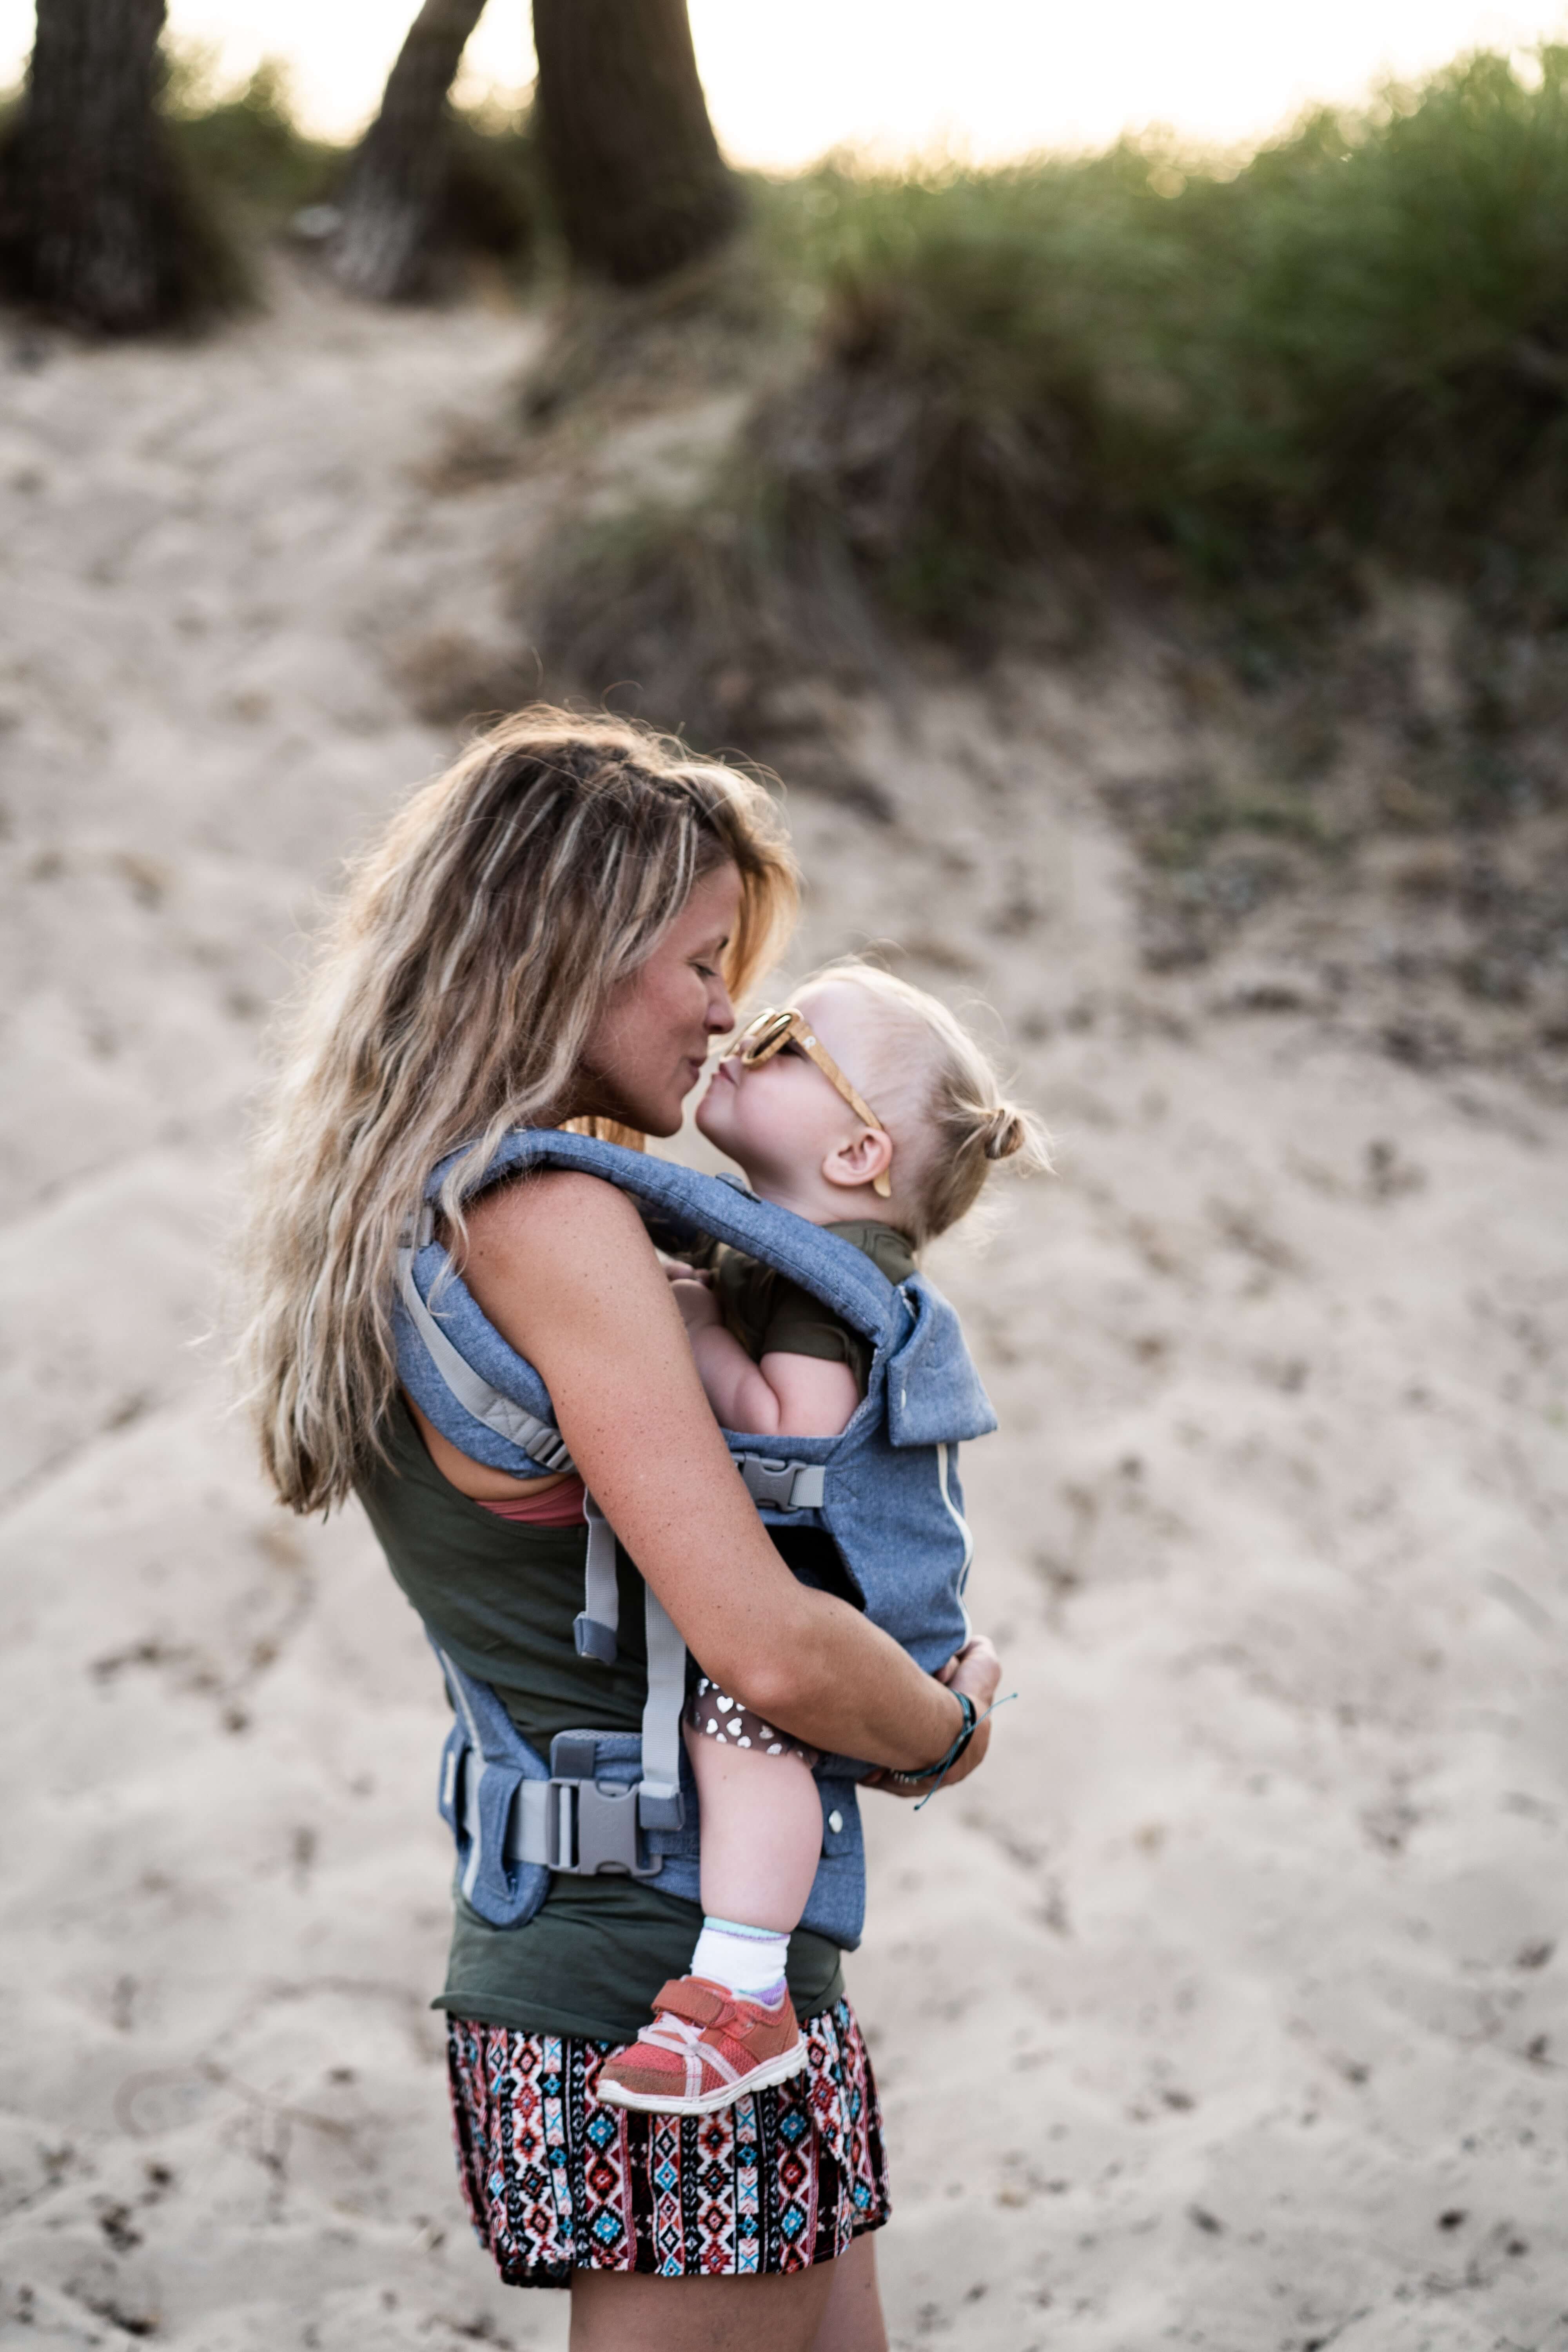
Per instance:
x=775, y=1029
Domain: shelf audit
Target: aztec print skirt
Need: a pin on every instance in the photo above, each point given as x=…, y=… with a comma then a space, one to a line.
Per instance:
x=554, y=2181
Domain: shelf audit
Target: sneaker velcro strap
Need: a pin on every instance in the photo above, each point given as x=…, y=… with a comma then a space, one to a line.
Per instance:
x=689, y=1998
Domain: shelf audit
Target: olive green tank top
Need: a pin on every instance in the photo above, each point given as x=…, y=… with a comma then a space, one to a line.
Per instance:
x=501, y=1599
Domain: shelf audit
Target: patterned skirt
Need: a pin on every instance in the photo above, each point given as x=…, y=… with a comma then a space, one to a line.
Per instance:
x=554, y=2181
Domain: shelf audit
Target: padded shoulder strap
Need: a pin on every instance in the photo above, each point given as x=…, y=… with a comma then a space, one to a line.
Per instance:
x=688, y=1203
x=539, y=1439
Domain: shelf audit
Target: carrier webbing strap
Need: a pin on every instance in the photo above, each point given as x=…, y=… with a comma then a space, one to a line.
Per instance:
x=785, y=1485
x=594, y=1629
x=540, y=1442
x=658, y=1793
x=788, y=1485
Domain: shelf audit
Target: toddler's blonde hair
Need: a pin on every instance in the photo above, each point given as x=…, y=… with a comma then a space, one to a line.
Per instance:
x=939, y=1094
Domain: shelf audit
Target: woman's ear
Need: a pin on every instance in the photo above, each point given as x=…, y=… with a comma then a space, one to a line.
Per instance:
x=865, y=1159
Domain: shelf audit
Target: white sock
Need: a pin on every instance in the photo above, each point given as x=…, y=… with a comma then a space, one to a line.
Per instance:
x=747, y=1961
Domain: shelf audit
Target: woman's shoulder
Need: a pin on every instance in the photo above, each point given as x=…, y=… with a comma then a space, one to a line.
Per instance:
x=556, y=1205
x=553, y=1247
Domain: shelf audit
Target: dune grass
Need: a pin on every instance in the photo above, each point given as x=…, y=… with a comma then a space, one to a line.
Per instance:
x=1358, y=339
x=243, y=141
x=1256, y=390
x=1248, y=375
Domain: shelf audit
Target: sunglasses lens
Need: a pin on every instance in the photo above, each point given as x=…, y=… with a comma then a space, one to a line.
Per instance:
x=763, y=1036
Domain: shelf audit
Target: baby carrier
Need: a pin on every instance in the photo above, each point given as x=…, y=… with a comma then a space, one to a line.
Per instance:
x=886, y=1490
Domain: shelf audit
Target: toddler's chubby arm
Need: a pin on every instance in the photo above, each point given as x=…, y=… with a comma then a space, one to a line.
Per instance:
x=801, y=1396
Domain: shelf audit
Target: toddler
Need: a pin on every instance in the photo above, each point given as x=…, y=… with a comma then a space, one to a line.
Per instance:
x=785, y=1106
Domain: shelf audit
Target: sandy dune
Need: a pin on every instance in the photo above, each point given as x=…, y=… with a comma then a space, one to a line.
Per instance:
x=1226, y=2008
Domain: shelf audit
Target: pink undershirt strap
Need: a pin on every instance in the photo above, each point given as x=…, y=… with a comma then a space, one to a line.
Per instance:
x=558, y=1507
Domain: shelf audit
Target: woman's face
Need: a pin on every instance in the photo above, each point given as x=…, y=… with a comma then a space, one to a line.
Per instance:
x=649, y=1047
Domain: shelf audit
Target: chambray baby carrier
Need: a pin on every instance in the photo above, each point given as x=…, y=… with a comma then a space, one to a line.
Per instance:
x=886, y=1490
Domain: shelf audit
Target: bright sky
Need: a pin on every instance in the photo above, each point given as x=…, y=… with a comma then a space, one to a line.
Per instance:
x=992, y=78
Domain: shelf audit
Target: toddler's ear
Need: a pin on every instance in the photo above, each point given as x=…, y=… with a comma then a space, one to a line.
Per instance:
x=868, y=1156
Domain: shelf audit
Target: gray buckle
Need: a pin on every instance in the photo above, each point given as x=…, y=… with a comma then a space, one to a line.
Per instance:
x=769, y=1482
x=593, y=1829
x=591, y=1826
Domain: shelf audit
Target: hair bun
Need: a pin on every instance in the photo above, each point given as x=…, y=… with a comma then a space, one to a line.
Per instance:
x=1006, y=1131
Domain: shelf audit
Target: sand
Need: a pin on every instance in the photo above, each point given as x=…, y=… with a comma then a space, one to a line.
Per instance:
x=1224, y=2008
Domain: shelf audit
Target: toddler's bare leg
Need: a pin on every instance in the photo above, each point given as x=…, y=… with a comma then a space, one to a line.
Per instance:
x=761, y=1833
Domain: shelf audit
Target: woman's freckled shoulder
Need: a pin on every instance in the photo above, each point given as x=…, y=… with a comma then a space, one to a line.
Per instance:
x=558, y=1208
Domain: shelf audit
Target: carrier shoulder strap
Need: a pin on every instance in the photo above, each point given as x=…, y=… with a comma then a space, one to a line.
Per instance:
x=540, y=1440
x=688, y=1202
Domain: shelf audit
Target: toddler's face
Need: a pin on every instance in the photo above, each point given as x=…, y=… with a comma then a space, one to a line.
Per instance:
x=780, y=1120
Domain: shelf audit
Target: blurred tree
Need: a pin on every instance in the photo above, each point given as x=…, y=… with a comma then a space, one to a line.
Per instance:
x=97, y=224
x=399, y=177
x=638, y=183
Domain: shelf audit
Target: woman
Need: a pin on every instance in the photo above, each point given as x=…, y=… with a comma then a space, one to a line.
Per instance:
x=553, y=932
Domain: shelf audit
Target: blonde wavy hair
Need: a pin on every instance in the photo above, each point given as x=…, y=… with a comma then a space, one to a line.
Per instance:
x=451, y=998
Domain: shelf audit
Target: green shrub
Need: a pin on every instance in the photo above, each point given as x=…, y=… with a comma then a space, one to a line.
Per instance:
x=245, y=142
x=1358, y=339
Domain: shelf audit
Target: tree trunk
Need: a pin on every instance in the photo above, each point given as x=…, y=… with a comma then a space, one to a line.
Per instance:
x=392, y=200
x=638, y=181
x=96, y=225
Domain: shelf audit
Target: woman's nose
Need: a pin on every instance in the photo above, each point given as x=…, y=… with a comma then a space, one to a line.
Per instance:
x=721, y=1012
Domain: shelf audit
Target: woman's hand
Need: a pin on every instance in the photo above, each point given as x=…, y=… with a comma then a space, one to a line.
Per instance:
x=677, y=1269
x=975, y=1670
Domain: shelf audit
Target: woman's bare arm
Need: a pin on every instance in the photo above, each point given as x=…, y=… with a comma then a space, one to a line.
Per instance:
x=563, y=1268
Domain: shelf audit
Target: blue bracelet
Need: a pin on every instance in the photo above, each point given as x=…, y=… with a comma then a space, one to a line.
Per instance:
x=943, y=1763
x=937, y=1773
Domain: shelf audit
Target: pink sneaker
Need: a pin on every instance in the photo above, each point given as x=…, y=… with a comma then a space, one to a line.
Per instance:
x=706, y=2048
